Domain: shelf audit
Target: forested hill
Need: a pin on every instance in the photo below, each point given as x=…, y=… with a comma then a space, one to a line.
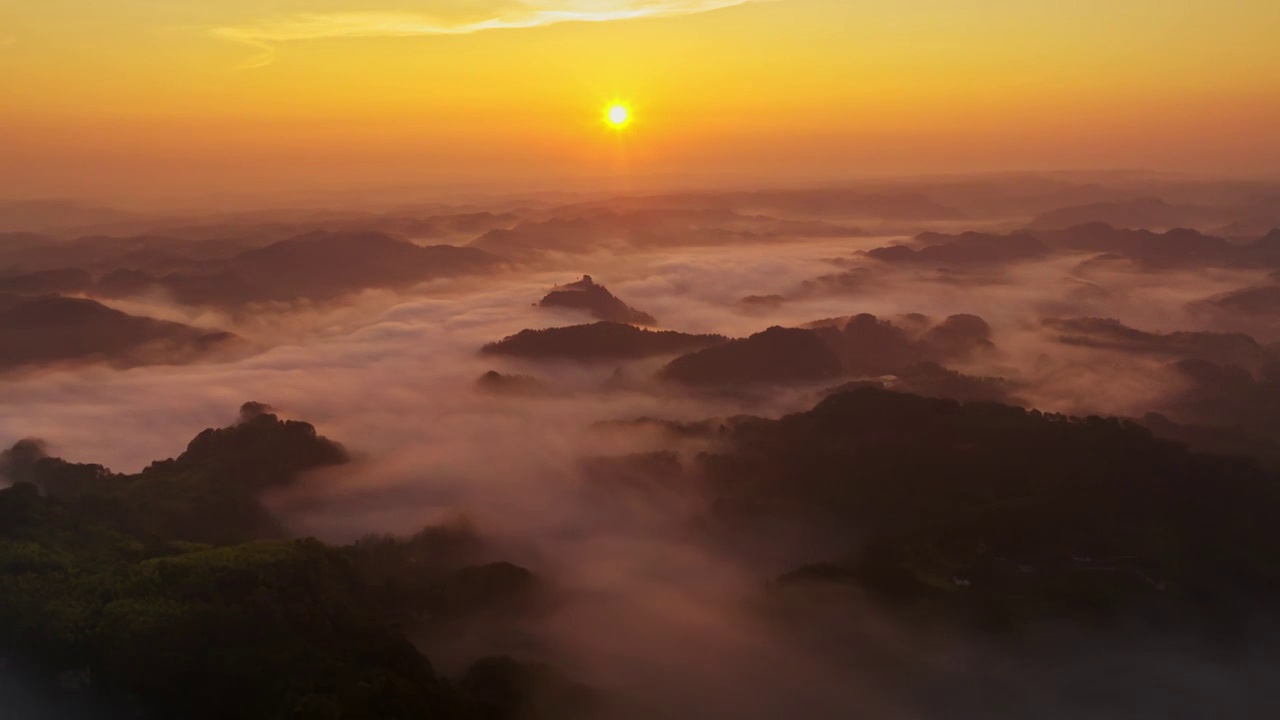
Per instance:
x=1016, y=513
x=168, y=594
x=174, y=592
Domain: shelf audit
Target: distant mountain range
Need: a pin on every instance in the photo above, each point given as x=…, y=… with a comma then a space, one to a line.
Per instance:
x=1173, y=248
x=52, y=329
x=315, y=266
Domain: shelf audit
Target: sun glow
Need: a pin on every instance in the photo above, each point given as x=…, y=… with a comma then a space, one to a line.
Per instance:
x=617, y=115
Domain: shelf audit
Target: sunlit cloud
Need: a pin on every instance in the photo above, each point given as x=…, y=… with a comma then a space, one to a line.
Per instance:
x=444, y=17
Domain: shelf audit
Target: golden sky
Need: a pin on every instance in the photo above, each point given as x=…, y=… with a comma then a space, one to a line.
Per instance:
x=156, y=98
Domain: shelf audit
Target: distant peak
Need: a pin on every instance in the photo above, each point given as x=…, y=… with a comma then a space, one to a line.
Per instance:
x=596, y=299
x=584, y=284
x=251, y=410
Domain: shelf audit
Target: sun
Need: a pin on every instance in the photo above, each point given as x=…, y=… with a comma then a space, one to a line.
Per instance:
x=617, y=115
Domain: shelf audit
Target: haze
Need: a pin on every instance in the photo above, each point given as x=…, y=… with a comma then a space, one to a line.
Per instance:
x=139, y=100
x=623, y=359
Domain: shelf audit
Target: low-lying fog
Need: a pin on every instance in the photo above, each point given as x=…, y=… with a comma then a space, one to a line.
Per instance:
x=389, y=372
x=654, y=615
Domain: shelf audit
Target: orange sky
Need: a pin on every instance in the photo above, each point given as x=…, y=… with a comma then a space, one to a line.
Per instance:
x=138, y=99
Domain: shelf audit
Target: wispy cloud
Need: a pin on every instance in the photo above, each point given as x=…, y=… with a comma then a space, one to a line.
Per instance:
x=8, y=40
x=449, y=18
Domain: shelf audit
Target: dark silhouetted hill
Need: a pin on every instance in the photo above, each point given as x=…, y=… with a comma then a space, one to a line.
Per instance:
x=70, y=281
x=1174, y=248
x=431, y=226
x=861, y=345
x=49, y=329
x=1111, y=334
x=589, y=227
x=854, y=280
x=247, y=230
x=1227, y=395
x=504, y=384
x=104, y=253
x=222, y=288
x=1259, y=300
x=595, y=299
x=1268, y=246
x=1230, y=440
x=236, y=626
x=515, y=690
x=1007, y=516
x=777, y=355
x=324, y=265
x=933, y=380
x=602, y=340
x=844, y=204
x=39, y=215
x=11, y=241
x=1178, y=247
x=867, y=345
x=930, y=379
x=316, y=266
x=763, y=301
x=209, y=493
x=798, y=205
x=970, y=248
x=1143, y=212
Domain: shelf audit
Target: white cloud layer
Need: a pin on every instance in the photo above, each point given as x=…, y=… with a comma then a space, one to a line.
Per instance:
x=447, y=17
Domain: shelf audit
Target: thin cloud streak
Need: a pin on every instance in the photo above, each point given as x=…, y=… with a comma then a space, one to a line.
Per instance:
x=266, y=36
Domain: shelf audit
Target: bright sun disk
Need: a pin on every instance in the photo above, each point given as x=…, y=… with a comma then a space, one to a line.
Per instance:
x=618, y=115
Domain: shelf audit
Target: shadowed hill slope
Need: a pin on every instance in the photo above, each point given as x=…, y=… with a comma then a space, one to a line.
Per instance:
x=586, y=295
x=598, y=340
x=1009, y=514
x=48, y=329
x=316, y=266
x=776, y=355
x=106, y=599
